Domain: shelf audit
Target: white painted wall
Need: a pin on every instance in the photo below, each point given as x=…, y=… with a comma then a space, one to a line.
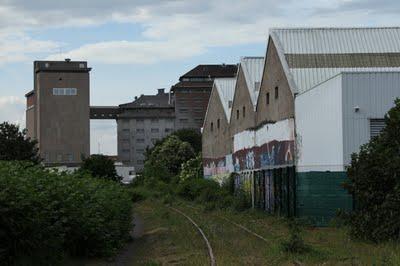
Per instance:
x=374, y=93
x=319, y=127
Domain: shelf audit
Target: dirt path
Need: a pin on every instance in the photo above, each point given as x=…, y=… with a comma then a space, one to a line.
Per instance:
x=128, y=253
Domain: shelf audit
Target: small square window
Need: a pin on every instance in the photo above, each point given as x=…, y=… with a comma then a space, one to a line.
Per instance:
x=244, y=111
x=218, y=123
x=276, y=93
x=237, y=114
x=267, y=98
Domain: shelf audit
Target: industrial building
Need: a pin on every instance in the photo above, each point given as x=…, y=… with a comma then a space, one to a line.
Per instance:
x=57, y=114
x=323, y=93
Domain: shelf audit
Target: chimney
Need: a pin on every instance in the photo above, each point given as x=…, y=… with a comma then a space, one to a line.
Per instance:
x=135, y=98
x=161, y=91
x=67, y=60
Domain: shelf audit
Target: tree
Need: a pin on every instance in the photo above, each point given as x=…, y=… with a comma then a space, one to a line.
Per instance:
x=165, y=160
x=374, y=181
x=15, y=146
x=192, y=169
x=192, y=136
x=100, y=166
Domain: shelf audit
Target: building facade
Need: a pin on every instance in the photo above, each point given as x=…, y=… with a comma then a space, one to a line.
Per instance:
x=192, y=93
x=57, y=114
x=324, y=92
x=140, y=124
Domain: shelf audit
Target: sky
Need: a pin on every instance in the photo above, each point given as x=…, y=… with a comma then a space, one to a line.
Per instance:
x=137, y=46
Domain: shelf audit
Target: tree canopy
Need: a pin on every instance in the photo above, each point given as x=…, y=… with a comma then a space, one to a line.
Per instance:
x=100, y=166
x=15, y=146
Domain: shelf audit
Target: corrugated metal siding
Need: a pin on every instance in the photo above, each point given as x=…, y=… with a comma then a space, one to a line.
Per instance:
x=339, y=40
x=376, y=126
x=252, y=69
x=319, y=195
x=374, y=94
x=319, y=128
x=332, y=41
x=226, y=91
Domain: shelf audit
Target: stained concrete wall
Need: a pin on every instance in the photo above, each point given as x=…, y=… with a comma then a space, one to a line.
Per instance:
x=63, y=121
x=241, y=105
x=274, y=77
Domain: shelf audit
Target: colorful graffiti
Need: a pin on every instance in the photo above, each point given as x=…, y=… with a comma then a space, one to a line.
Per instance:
x=218, y=168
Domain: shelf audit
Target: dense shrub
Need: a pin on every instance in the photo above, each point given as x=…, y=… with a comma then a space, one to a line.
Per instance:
x=100, y=166
x=165, y=161
x=44, y=215
x=374, y=180
x=15, y=146
x=192, y=169
x=192, y=189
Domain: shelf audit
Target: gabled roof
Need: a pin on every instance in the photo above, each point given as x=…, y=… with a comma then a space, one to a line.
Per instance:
x=212, y=71
x=253, y=69
x=226, y=90
x=225, y=87
x=160, y=100
x=310, y=56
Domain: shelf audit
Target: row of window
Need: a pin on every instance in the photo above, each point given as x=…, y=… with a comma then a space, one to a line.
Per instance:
x=212, y=125
x=65, y=91
x=69, y=157
x=153, y=130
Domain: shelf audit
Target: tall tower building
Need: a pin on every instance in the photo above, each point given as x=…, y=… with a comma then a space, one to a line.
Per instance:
x=57, y=114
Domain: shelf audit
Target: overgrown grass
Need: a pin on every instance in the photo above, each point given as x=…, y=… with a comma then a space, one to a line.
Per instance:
x=234, y=246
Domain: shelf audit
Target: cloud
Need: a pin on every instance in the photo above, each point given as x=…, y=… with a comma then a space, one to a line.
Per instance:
x=12, y=109
x=176, y=29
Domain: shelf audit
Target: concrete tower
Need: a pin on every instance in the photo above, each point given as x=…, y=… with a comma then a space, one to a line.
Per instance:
x=57, y=113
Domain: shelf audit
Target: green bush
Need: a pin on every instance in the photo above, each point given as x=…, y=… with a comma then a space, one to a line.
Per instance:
x=192, y=169
x=241, y=201
x=44, y=215
x=374, y=181
x=295, y=243
x=196, y=188
x=100, y=166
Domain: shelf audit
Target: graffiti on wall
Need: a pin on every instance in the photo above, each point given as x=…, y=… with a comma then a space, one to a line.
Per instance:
x=218, y=168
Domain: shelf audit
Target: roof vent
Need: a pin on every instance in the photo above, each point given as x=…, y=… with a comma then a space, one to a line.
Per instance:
x=161, y=91
x=67, y=60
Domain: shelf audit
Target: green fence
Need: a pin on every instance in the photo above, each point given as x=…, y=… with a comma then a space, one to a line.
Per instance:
x=319, y=195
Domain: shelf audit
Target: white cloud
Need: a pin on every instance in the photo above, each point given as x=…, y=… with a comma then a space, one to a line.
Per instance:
x=177, y=29
x=12, y=109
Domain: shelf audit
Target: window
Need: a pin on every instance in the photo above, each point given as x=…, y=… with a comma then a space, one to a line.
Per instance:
x=244, y=111
x=126, y=150
x=140, y=130
x=59, y=157
x=65, y=91
x=276, y=92
x=183, y=110
x=376, y=126
x=267, y=97
x=218, y=123
x=183, y=120
x=155, y=130
x=154, y=120
x=69, y=157
x=168, y=130
x=140, y=120
x=140, y=140
x=237, y=114
x=198, y=120
x=154, y=140
x=212, y=126
x=139, y=150
x=230, y=104
x=125, y=130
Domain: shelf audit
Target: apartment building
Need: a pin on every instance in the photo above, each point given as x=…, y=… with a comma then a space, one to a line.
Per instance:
x=141, y=123
x=192, y=93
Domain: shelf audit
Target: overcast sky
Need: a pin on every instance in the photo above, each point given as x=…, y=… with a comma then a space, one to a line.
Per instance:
x=136, y=46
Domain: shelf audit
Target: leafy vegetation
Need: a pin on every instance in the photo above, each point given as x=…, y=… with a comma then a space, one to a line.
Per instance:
x=295, y=243
x=15, y=146
x=100, y=166
x=165, y=161
x=45, y=215
x=374, y=180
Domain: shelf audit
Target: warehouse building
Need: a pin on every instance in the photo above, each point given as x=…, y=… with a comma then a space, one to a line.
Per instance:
x=323, y=93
